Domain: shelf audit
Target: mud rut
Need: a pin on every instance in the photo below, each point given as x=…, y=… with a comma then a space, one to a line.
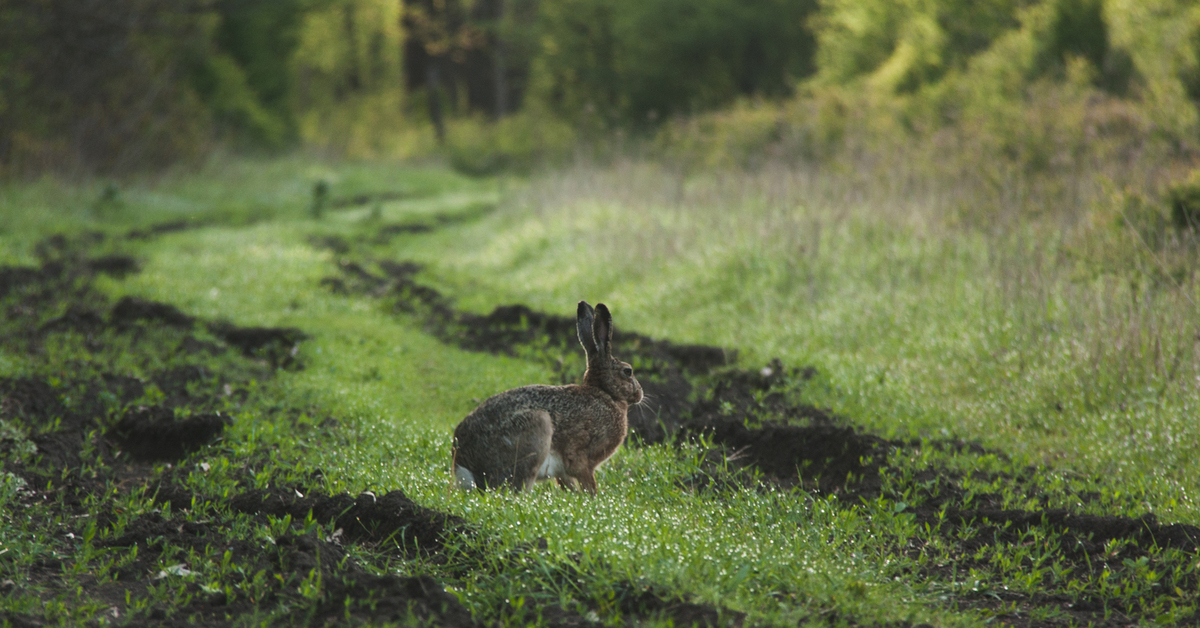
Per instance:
x=92, y=434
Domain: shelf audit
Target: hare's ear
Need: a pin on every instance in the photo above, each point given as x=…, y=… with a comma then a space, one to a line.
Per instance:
x=602, y=331
x=583, y=326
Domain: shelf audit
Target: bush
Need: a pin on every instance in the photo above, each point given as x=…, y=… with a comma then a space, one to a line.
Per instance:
x=518, y=143
x=96, y=86
x=637, y=63
x=1184, y=201
x=125, y=85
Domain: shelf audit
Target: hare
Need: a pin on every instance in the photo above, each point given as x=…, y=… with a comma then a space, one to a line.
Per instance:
x=539, y=432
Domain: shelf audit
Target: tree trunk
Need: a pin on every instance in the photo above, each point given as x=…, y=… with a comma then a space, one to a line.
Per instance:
x=354, y=79
x=498, y=63
x=433, y=86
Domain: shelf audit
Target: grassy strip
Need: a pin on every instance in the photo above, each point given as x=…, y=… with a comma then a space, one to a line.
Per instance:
x=1064, y=345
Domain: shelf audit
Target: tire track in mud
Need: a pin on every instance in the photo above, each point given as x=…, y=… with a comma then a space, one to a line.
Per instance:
x=89, y=429
x=763, y=435
x=80, y=448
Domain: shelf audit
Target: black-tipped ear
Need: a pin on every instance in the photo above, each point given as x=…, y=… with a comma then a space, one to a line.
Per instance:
x=583, y=326
x=602, y=331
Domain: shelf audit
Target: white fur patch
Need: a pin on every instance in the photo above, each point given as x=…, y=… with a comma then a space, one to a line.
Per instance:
x=552, y=467
x=466, y=479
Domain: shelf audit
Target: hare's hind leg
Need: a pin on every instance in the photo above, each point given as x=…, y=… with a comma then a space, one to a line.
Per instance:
x=583, y=482
x=530, y=443
x=587, y=481
x=578, y=471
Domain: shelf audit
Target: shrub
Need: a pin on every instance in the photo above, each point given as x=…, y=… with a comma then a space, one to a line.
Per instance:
x=637, y=63
x=518, y=143
x=1184, y=201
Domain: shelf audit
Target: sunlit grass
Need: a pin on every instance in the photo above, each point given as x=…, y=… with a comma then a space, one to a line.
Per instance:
x=226, y=189
x=915, y=327
x=778, y=555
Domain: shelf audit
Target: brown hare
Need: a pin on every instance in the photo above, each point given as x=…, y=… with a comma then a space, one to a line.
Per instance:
x=538, y=432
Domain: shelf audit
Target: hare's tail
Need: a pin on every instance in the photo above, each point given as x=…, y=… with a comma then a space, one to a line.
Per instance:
x=466, y=479
x=462, y=475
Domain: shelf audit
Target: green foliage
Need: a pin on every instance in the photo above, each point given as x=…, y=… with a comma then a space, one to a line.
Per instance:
x=222, y=84
x=906, y=45
x=1184, y=200
x=156, y=82
x=244, y=77
x=633, y=62
x=95, y=86
x=516, y=143
x=348, y=95
x=1078, y=29
x=143, y=84
x=261, y=37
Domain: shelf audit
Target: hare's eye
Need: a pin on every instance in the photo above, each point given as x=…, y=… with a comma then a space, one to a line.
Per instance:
x=628, y=372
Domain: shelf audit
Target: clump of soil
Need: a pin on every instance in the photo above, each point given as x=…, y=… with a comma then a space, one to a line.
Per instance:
x=277, y=345
x=152, y=231
x=367, y=518
x=155, y=434
x=114, y=265
x=358, y=200
x=1088, y=534
x=645, y=602
x=827, y=456
x=376, y=232
x=131, y=310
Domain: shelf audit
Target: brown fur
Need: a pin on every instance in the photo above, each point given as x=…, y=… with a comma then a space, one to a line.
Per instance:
x=508, y=438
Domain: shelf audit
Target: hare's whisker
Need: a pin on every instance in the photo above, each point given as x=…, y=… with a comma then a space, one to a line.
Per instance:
x=646, y=404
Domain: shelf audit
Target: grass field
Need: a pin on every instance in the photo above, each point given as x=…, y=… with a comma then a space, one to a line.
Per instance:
x=1024, y=403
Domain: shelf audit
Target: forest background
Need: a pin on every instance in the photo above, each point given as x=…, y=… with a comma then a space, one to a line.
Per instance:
x=115, y=87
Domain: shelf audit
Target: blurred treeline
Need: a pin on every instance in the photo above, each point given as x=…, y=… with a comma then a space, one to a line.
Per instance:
x=115, y=86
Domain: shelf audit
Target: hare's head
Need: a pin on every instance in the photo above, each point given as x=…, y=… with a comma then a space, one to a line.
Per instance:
x=603, y=370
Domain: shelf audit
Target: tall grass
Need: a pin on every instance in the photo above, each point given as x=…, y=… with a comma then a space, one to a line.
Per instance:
x=1051, y=312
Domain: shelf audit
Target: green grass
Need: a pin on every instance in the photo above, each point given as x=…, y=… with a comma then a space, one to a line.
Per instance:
x=914, y=328
x=401, y=392
x=225, y=190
